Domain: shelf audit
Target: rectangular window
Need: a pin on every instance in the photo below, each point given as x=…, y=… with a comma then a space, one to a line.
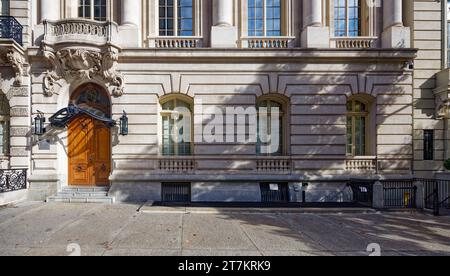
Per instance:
x=428, y=144
x=176, y=17
x=4, y=7
x=347, y=18
x=264, y=17
x=92, y=9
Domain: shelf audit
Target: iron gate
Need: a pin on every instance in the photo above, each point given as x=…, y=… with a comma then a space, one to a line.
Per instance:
x=362, y=192
x=399, y=194
x=274, y=192
x=176, y=192
x=437, y=195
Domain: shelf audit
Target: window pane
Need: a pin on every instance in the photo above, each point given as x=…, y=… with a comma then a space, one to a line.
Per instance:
x=166, y=18
x=4, y=7
x=185, y=17
x=176, y=138
x=428, y=145
x=347, y=18
x=264, y=127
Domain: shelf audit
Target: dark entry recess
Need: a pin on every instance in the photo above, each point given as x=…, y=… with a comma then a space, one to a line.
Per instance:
x=274, y=192
x=176, y=192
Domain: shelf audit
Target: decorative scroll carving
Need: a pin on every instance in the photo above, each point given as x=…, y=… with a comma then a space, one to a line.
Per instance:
x=83, y=64
x=16, y=60
x=442, y=108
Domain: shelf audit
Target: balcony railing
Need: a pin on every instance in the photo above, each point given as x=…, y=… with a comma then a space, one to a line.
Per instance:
x=10, y=28
x=281, y=42
x=361, y=42
x=13, y=180
x=176, y=42
x=80, y=30
x=367, y=164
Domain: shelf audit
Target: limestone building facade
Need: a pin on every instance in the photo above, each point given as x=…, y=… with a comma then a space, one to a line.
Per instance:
x=359, y=88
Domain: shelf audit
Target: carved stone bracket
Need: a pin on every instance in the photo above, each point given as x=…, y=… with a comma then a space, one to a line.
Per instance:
x=13, y=57
x=71, y=64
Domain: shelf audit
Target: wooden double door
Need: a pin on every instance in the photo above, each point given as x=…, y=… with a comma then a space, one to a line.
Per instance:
x=89, y=152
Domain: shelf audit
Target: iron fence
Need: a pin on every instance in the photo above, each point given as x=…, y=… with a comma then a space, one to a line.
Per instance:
x=11, y=28
x=399, y=193
x=13, y=180
x=274, y=193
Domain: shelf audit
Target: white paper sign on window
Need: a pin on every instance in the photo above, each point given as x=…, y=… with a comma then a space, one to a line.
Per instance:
x=274, y=187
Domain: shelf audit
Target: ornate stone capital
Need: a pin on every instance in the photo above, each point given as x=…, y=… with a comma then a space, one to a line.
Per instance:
x=71, y=64
x=14, y=58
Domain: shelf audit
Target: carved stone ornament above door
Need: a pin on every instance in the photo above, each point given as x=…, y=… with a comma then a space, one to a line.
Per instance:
x=78, y=64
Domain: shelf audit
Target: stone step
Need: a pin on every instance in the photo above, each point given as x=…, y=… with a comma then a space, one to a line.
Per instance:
x=85, y=189
x=83, y=194
x=102, y=200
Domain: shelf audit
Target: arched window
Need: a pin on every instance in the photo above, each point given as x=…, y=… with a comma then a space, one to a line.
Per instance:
x=264, y=18
x=4, y=7
x=347, y=18
x=4, y=126
x=357, y=128
x=270, y=141
x=177, y=119
x=93, y=9
x=176, y=17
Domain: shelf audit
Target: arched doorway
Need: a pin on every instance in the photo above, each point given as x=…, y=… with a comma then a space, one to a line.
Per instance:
x=89, y=139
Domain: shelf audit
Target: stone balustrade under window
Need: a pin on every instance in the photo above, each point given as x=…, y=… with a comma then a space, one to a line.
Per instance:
x=176, y=165
x=267, y=42
x=353, y=42
x=364, y=164
x=176, y=42
x=274, y=165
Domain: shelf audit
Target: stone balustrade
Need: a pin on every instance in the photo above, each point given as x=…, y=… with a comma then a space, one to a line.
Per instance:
x=362, y=164
x=353, y=42
x=274, y=165
x=267, y=42
x=176, y=165
x=177, y=42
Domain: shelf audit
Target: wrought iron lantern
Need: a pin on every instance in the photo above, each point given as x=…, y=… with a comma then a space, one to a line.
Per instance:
x=124, y=124
x=39, y=124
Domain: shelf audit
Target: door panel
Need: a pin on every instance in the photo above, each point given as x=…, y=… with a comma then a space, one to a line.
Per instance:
x=89, y=152
x=102, y=153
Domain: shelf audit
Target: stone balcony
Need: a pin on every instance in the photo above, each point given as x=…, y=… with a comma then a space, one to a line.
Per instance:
x=80, y=31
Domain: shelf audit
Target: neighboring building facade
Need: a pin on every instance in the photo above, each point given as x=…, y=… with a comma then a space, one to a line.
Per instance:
x=337, y=74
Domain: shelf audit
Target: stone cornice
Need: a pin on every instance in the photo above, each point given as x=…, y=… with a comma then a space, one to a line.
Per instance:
x=285, y=55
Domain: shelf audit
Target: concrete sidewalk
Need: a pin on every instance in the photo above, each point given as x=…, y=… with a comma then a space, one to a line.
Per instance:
x=48, y=229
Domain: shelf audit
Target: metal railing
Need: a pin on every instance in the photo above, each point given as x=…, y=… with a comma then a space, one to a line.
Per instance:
x=399, y=193
x=11, y=28
x=13, y=180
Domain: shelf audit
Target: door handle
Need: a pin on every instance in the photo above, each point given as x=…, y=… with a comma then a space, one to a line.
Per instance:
x=103, y=168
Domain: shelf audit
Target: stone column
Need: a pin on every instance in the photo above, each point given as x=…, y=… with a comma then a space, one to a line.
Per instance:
x=395, y=34
x=223, y=32
x=130, y=31
x=50, y=10
x=314, y=34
